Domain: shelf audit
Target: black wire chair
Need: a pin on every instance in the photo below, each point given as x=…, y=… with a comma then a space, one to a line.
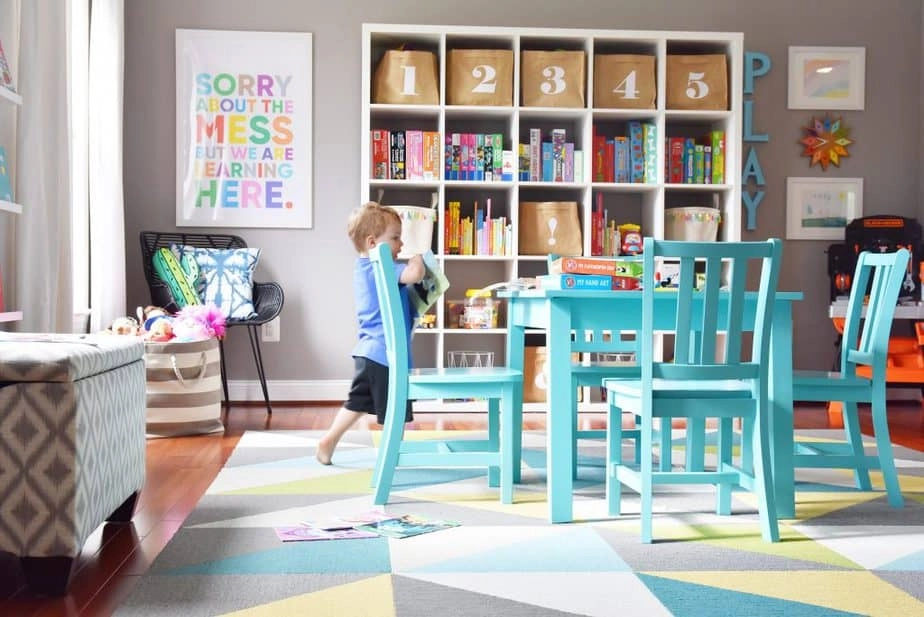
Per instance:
x=268, y=298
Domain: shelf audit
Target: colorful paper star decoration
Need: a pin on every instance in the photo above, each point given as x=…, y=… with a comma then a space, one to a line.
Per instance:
x=825, y=141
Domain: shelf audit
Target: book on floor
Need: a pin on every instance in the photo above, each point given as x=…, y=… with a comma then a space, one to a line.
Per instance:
x=406, y=526
x=304, y=533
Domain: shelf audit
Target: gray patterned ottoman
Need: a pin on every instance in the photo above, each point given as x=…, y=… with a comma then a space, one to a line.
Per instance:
x=72, y=445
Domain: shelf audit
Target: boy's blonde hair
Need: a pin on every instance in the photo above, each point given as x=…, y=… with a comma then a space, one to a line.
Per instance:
x=370, y=219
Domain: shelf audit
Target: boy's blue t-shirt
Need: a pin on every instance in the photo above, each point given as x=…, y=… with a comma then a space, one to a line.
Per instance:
x=371, y=342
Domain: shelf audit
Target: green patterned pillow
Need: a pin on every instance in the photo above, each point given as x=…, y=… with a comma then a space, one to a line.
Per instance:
x=226, y=278
x=180, y=275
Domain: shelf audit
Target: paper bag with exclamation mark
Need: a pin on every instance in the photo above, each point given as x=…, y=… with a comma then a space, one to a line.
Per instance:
x=549, y=227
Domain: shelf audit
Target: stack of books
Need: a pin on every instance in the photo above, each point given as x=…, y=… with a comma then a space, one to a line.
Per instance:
x=600, y=273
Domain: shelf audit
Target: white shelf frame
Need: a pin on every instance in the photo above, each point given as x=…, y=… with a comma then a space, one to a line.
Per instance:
x=651, y=199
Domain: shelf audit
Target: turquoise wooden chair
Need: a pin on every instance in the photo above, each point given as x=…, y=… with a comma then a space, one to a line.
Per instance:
x=590, y=372
x=864, y=349
x=703, y=380
x=501, y=386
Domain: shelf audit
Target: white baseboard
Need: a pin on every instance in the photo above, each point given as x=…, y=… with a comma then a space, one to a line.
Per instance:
x=334, y=390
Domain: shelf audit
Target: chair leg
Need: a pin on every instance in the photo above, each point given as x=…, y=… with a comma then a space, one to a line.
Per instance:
x=759, y=434
x=855, y=440
x=884, y=449
x=613, y=460
x=494, y=437
x=646, y=509
x=258, y=360
x=390, y=445
x=224, y=371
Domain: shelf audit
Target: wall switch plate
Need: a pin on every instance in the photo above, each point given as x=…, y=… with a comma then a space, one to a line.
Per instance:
x=270, y=331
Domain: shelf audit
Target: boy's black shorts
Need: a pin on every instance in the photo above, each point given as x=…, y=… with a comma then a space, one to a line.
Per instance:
x=369, y=390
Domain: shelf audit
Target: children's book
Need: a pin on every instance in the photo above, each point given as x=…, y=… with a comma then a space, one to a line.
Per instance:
x=406, y=526
x=576, y=281
x=6, y=77
x=6, y=190
x=424, y=294
x=304, y=533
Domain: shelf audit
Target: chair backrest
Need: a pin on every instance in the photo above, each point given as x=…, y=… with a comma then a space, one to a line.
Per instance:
x=386, y=287
x=153, y=240
x=717, y=307
x=882, y=275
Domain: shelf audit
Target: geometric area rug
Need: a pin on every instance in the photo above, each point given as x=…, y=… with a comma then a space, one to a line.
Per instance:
x=846, y=552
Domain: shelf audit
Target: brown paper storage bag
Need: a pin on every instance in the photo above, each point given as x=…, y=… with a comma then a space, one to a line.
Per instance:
x=536, y=375
x=479, y=77
x=624, y=81
x=552, y=78
x=697, y=82
x=406, y=77
x=549, y=227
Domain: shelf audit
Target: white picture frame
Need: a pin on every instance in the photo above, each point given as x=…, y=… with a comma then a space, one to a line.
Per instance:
x=243, y=129
x=820, y=208
x=827, y=77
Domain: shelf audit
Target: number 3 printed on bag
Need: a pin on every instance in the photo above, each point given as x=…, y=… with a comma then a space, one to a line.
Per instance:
x=555, y=80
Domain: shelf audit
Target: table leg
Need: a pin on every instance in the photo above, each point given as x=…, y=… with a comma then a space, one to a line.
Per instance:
x=781, y=406
x=516, y=340
x=560, y=437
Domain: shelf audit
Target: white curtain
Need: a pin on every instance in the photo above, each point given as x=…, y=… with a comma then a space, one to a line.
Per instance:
x=43, y=281
x=70, y=164
x=107, y=223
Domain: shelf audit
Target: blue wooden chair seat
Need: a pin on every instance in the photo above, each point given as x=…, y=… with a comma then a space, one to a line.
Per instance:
x=500, y=386
x=865, y=343
x=698, y=383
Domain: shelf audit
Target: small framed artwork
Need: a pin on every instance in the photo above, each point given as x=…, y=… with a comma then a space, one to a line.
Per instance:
x=820, y=208
x=827, y=77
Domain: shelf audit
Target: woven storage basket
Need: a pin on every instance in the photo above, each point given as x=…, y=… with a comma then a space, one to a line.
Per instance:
x=416, y=229
x=692, y=224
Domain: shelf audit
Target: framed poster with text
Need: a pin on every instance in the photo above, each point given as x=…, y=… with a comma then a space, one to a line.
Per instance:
x=243, y=129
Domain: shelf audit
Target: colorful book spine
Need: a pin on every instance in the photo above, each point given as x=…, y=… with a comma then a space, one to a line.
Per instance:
x=478, y=157
x=622, y=165
x=508, y=166
x=489, y=158
x=456, y=172
x=717, y=139
x=525, y=165
x=689, y=152
x=497, y=141
x=636, y=152
x=583, y=265
x=558, y=155
x=548, y=162
x=447, y=157
x=6, y=76
x=431, y=155
x=707, y=164
x=577, y=168
x=535, y=155
x=675, y=160
x=414, y=154
x=6, y=189
x=398, y=152
x=599, y=154
x=575, y=281
x=380, y=148
x=699, y=164
x=650, y=152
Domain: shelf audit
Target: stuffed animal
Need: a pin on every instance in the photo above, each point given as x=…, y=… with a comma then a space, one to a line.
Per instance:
x=124, y=325
x=160, y=328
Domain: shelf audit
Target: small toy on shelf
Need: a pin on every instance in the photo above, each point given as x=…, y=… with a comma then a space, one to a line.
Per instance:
x=631, y=235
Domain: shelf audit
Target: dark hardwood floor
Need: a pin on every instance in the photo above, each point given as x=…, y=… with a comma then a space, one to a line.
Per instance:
x=180, y=469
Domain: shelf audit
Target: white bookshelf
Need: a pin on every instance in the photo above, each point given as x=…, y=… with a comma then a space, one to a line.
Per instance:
x=644, y=204
x=9, y=98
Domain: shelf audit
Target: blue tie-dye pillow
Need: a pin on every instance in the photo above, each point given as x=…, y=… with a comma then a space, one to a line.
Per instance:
x=225, y=278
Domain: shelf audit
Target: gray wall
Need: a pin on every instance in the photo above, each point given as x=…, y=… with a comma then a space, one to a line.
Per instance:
x=314, y=265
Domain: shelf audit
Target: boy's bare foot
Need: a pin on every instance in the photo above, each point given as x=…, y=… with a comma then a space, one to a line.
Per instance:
x=324, y=453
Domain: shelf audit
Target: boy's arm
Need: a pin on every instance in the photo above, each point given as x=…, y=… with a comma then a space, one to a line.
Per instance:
x=414, y=272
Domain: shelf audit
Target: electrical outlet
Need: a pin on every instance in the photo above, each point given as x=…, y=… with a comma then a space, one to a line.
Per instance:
x=270, y=331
